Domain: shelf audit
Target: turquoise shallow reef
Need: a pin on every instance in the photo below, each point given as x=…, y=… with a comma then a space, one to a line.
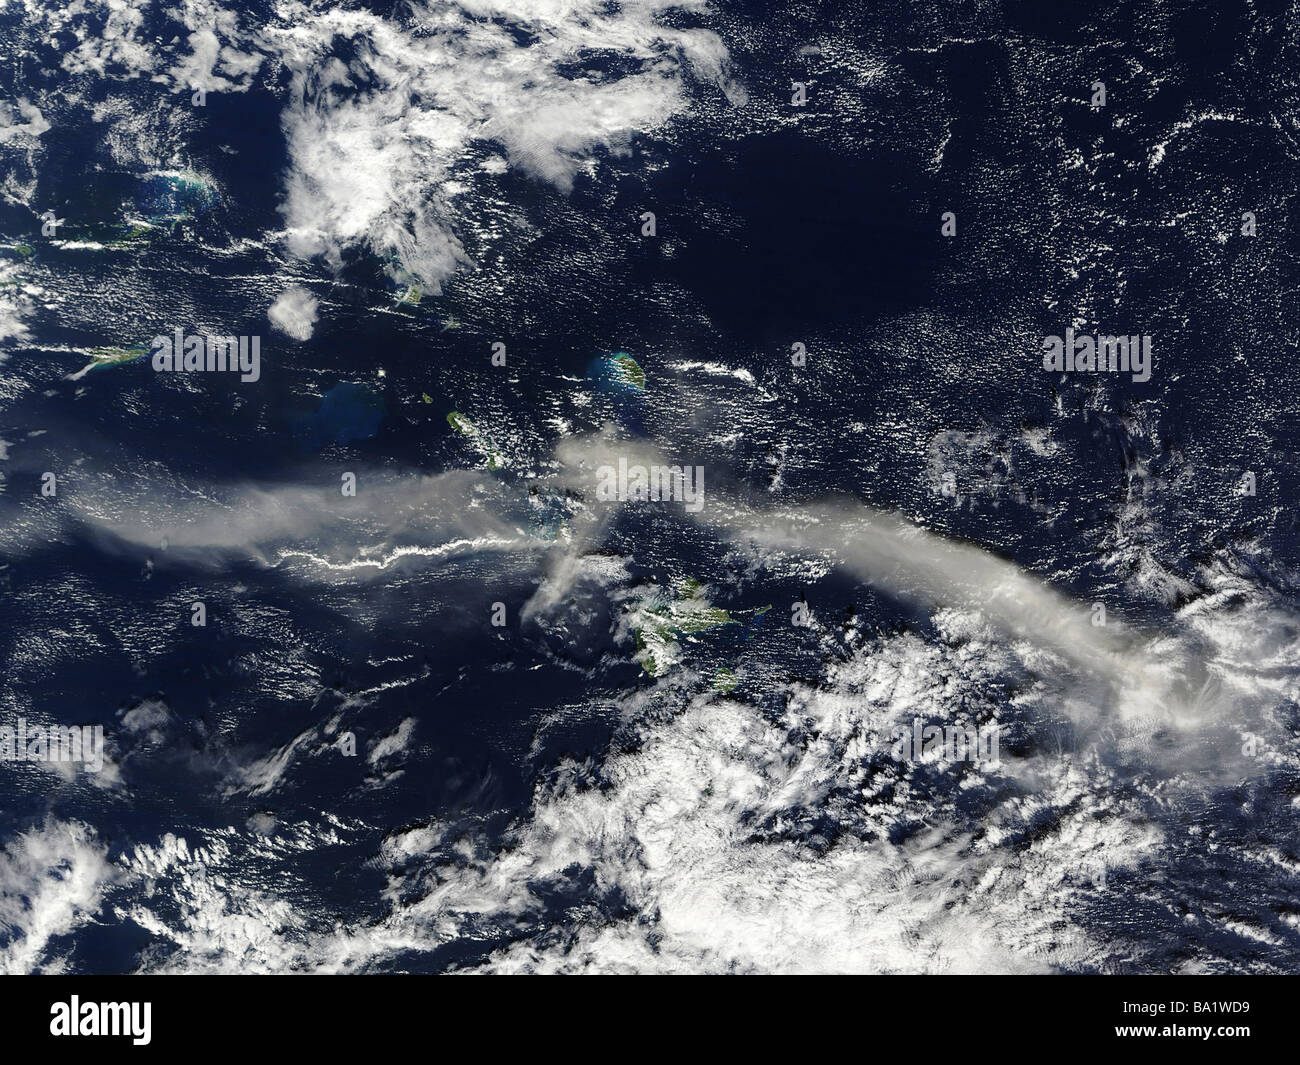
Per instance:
x=347, y=412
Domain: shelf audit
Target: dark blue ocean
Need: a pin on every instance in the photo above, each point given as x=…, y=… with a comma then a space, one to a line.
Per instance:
x=530, y=796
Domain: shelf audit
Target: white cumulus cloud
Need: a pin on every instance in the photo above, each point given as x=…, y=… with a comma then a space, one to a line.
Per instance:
x=294, y=312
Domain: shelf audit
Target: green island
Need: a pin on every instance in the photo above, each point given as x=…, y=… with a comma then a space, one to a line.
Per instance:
x=626, y=370
x=660, y=626
x=462, y=425
x=104, y=357
x=131, y=234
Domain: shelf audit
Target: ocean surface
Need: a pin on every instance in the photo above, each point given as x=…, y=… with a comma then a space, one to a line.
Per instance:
x=677, y=750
